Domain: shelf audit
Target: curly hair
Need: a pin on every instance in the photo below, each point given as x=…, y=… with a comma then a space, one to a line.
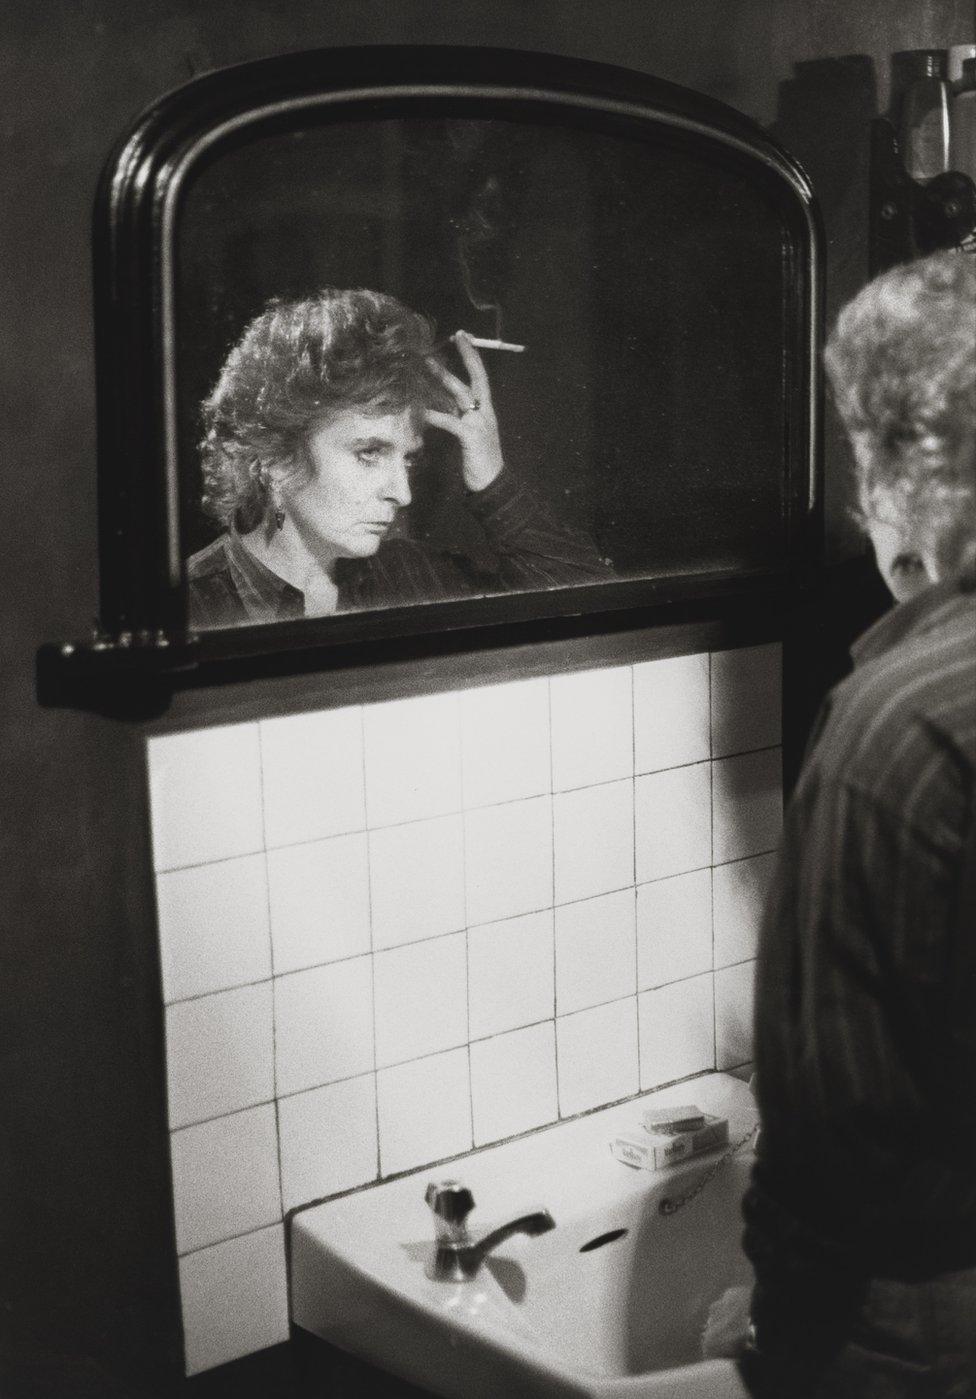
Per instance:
x=296, y=362
x=902, y=366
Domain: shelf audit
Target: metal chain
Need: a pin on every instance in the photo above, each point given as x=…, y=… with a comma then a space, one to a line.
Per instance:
x=671, y=1206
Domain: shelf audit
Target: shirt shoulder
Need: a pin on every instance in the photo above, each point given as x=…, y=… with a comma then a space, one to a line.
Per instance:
x=901, y=729
x=212, y=559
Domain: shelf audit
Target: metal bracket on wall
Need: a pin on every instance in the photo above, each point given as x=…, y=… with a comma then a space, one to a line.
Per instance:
x=908, y=219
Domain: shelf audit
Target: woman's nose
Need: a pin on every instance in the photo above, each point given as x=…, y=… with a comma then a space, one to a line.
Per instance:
x=398, y=483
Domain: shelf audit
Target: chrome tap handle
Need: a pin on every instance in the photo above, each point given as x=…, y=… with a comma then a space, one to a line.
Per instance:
x=451, y=1202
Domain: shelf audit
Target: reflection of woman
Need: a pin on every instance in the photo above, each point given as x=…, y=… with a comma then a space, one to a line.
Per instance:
x=312, y=431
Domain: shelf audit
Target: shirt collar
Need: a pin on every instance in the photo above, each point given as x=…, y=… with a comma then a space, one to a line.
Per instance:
x=915, y=617
x=261, y=590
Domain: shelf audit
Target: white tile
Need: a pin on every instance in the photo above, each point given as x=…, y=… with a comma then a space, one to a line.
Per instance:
x=594, y=840
x=595, y=951
x=592, y=727
x=672, y=821
x=219, y=1054
x=513, y=1083
x=416, y=880
x=510, y=973
x=508, y=859
x=205, y=795
x=214, y=929
x=747, y=805
x=424, y=1111
x=674, y=928
x=677, y=1031
x=733, y=1014
x=597, y=1056
x=413, y=759
x=225, y=1177
x=234, y=1297
x=505, y=742
x=328, y=1140
x=319, y=896
x=746, y=699
x=670, y=713
x=421, y=999
x=739, y=893
x=323, y=1024
x=312, y=769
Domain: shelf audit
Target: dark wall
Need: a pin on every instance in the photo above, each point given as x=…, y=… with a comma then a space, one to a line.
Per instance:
x=87, y=1286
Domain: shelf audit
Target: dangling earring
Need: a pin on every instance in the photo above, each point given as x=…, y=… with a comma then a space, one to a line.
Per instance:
x=273, y=492
x=277, y=508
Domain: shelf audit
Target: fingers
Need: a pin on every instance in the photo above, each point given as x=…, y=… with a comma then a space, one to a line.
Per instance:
x=473, y=363
x=450, y=422
x=478, y=389
x=462, y=393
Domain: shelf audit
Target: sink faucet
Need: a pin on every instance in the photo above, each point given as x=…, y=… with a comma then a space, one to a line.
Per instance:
x=456, y=1256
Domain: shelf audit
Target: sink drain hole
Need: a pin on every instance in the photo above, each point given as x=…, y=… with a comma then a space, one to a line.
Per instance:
x=602, y=1239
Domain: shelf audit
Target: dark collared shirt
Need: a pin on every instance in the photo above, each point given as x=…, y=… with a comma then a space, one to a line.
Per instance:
x=229, y=587
x=864, y=1036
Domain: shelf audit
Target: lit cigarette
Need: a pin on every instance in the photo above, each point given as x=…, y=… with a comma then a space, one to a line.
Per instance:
x=481, y=344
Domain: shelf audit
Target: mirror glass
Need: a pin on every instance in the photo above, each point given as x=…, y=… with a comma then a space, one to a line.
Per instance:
x=641, y=423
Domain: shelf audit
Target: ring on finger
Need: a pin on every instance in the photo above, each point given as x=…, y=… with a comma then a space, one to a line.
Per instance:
x=472, y=407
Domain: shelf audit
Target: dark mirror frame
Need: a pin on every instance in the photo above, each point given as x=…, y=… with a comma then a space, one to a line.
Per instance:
x=142, y=630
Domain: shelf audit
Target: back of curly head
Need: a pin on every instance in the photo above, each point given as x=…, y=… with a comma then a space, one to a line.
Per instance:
x=296, y=363
x=902, y=366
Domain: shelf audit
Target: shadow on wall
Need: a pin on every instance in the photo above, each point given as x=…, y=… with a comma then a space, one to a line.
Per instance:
x=823, y=117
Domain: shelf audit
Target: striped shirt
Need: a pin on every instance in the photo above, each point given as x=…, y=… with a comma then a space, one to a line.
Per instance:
x=864, y=1035
x=531, y=548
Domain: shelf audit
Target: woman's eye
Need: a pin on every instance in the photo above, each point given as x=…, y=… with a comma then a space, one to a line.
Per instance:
x=368, y=455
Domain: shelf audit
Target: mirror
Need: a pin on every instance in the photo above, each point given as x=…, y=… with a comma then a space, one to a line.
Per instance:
x=644, y=276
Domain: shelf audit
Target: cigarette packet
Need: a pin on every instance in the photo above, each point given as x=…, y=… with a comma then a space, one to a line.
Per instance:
x=686, y=1117
x=650, y=1151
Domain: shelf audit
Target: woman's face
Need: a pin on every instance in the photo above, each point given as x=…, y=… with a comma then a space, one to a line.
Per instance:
x=359, y=478
x=903, y=570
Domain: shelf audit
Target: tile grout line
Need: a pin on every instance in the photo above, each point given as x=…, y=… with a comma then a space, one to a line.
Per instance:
x=467, y=929
x=633, y=852
x=372, y=951
x=274, y=999
x=711, y=847
x=552, y=872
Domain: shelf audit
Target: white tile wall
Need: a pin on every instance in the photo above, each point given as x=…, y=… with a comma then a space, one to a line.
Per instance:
x=421, y=999
x=674, y=928
x=671, y=713
x=319, y=902
x=508, y=859
x=424, y=1110
x=505, y=742
x=235, y=1298
x=593, y=831
x=592, y=728
x=597, y=1056
x=510, y=974
x=214, y=926
x=312, y=776
x=513, y=1082
x=672, y=822
x=392, y=933
x=595, y=951
x=416, y=880
x=220, y=1054
x=323, y=1024
x=328, y=1140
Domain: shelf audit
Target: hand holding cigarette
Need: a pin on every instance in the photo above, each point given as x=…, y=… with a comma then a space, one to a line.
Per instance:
x=473, y=422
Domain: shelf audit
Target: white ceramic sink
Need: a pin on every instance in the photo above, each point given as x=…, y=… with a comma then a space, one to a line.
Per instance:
x=543, y=1319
